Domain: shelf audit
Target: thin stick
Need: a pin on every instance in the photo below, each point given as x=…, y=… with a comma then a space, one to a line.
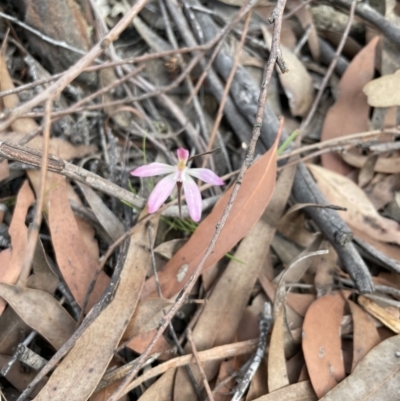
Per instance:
x=60, y=166
x=330, y=70
x=225, y=95
x=277, y=19
x=200, y=366
x=34, y=228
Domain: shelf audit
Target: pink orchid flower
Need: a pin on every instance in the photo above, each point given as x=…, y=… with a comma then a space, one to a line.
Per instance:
x=179, y=175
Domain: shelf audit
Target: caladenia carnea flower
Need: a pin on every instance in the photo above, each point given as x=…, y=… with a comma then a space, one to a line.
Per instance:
x=181, y=176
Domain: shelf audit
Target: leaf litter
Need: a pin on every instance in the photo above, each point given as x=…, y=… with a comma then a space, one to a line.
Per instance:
x=104, y=275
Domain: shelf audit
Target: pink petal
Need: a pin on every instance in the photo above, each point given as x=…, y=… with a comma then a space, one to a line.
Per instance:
x=152, y=169
x=160, y=193
x=193, y=198
x=183, y=154
x=205, y=175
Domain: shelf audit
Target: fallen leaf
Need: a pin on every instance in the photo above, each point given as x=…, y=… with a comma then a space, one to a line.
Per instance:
x=40, y=311
x=306, y=20
x=13, y=258
x=255, y=192
x=111, y=224
x=44, y=278
x=376, y=377
x=302, y=391
x=360, y=214
x=386, y=165
x=322, y=342
x=76, y=262
x=147, y=316
x=277, y=372
x=297, y=82
x=351, y=111
x=380, y=91
x=365, y=334
x=77, y=376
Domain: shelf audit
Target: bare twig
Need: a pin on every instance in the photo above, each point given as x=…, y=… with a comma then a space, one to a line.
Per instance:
x=200, y=366
x=58, y=165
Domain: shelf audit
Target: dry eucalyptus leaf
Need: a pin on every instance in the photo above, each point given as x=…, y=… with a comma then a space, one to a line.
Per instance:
x=383, y=91
x=77, y=376
x=350, y=113
x=322, y=342
x=297, y=83
x=365, y=334
x=41, y=311
x=111, y=224
x=360, y=214
x=302, y=391
x=376, y=377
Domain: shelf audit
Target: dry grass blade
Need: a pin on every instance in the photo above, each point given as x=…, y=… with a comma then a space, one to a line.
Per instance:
x=79, y=373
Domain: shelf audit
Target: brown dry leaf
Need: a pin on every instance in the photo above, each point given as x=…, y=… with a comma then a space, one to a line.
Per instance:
x=11, y=259
x=44, y=278
x=387, y=165
x=255, y=192
x=376, y=377
x=322, y=342
x=360, y=214
x=365, y=334
x=302, y=391
x=162, y=389
x=41, y=311
x=77, y=376
x=61, y=21
x=306, y=21
x=111, y=224
x=141, y=341
x=381, y=91
x=147, y=316
x=226, y=369
x=297, y=82
x=74, y=258
x=387, y=318
x=351, y=111
x=9, y=102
